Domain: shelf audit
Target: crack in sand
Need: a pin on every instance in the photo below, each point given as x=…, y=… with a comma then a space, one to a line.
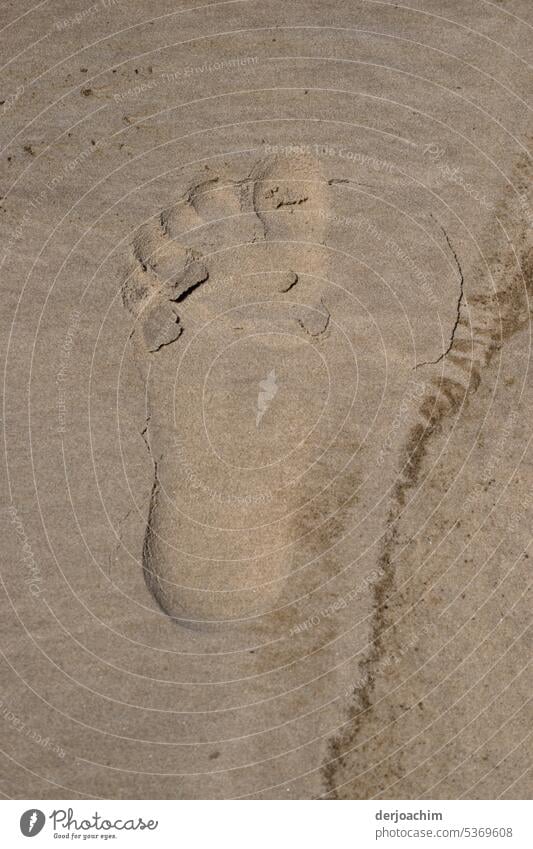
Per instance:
x=459, y=305
x=503, y=318
x=434, y=409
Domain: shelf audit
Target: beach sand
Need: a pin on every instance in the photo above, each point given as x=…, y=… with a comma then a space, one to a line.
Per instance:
x=267, y=272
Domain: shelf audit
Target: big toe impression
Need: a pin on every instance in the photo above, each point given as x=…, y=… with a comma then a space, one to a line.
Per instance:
x=290, y=196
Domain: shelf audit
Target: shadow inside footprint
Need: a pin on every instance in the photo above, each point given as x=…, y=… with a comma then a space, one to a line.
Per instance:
x=238, y=572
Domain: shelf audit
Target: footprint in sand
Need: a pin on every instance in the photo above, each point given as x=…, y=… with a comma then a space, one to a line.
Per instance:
x=230, y=330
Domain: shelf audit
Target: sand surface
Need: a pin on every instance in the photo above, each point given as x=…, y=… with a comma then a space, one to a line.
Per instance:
x=267, y=487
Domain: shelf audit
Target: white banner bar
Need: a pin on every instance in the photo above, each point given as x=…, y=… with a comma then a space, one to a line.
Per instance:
x=268, y=824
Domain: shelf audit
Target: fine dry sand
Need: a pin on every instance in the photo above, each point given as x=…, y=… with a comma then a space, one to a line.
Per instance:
x=267, y=272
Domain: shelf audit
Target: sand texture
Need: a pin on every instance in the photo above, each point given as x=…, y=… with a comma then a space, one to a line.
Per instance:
x=267, y=490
